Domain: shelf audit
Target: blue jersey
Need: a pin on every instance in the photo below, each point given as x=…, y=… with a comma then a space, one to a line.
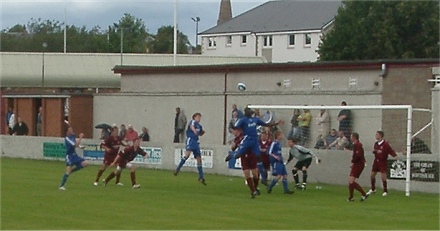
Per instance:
x=249, y=126
x=190, y=133
x=70, y=142
x=275, y=149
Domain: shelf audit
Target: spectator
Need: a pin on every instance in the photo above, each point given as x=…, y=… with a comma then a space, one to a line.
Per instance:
x=39, y=121
x=304, y=126
x=344, y=118
x=144, y=135
x=123, y=132
x=231, y=124
x=295, y=132
x=12, y=122
x=418, y=146
x=131, y=135
x=330, y=138
x=179, y=125
x=340, y=143
x=234, y=108
x=8, y=117
x=257, y=113
x=323, y=122
x=20, y=128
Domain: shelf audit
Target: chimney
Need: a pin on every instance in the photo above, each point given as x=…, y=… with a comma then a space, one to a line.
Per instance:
x=225, y=12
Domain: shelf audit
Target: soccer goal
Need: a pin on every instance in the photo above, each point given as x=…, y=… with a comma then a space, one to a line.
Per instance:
x=396, y=121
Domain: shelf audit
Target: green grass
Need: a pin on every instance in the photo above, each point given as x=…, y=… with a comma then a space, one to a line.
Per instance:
x=30, y=199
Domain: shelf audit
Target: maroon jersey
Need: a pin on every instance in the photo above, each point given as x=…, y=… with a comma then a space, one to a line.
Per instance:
x=358, y=157
x=264, y=146
x=129, y=153
x=237, y=140
x=113, y=143
x=381, y=151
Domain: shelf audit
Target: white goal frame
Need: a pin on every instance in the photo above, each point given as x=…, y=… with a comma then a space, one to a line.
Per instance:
x=408, y=108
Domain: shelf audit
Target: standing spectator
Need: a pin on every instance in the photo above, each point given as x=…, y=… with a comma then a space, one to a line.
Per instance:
x=72, y=158
x=234, y=108
x=12, y=122
x=294, y=121
x=193, y=132
x=381, y=151
x=39, y=121
x=144, y=135
x=340, y=143
x=123, y=132
x=304, y=126
x=330, y=138
x=179, y=125
x=131, y=135
x=323, y=122
x=231, y=126
x=344, y=118
x=418, y=146
x=20, y=128
x=357, y=166
x=8, y=117
x=123, y=160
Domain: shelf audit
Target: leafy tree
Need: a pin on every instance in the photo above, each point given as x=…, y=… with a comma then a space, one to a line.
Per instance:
x=367, y=30
x=163, y=41
x=134, y=34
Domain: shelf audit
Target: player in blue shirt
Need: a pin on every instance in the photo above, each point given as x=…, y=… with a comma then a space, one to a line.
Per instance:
x=248, y=125
x=278, y=167
x=193, y=132
x=71, y=157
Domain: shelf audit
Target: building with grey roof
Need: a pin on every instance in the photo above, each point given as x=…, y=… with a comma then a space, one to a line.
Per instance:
x=280, y=31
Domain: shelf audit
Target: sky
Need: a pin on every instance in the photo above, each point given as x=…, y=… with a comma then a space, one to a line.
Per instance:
x=91, y=13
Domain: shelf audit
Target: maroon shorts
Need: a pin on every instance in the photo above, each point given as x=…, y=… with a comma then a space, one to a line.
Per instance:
x=379, y=166
x=356, y=170
x=266, y=162
x=248, y=161
x=108, y=158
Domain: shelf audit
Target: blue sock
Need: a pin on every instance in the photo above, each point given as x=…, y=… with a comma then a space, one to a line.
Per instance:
x=273, y=183
x=77, y=168
x=64, y=179
x=261, y=170
x=182, y=162
x=286, y=189
x=200, y=169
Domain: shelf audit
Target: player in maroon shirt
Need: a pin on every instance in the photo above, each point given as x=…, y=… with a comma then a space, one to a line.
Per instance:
x=111, y=145
x=357, y=166
x=264, y=146
x=123, y=161
x=248, y=164
x=381, y=151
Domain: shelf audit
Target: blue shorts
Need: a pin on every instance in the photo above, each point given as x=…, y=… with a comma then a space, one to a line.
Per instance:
x=279, y=168
x=73, y=160
x=193, y=146
x=247, y=145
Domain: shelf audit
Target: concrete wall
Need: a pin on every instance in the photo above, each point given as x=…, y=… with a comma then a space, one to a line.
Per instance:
x=334, y=168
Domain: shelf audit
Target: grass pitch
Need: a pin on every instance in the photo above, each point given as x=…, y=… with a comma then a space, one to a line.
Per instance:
x=30, y=199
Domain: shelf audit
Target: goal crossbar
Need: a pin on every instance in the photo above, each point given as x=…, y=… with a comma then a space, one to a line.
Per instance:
x=408, y=108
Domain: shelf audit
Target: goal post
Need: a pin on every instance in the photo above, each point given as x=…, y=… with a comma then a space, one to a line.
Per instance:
x=378, y=116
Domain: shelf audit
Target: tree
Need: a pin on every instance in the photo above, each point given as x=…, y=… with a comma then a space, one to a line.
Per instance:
x=367, y=30
x=134, y=32
x=163, y=41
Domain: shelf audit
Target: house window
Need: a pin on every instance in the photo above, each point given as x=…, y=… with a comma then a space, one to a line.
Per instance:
x=243, y=39
x=267, y=41
x=307, y=40
x=212, y=43
x=292, y=40
x=229, y=40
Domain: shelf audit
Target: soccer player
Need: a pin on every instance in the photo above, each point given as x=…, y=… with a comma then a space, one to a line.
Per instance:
x=304, y=157
x=111, y=144
x=71, y=157
x=248, y=125
x=357, y=166
x=278, y=167
x=123, y=161
x=248, y=164
x=381, y=151
x=193, y=132
x=264, y=147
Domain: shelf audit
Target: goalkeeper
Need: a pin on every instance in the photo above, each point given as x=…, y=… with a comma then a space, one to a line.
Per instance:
x=304, y=157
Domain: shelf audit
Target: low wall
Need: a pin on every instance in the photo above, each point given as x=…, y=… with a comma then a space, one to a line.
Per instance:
x=334, y=168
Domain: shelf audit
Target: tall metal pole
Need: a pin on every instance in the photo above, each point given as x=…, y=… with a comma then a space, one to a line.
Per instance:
x=42, y=68
x=175, y=34
x=197, y=32
x=65, y=31
x=122, y=43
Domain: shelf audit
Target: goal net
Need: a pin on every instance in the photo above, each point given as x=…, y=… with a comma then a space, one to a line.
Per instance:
x=406, y=129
